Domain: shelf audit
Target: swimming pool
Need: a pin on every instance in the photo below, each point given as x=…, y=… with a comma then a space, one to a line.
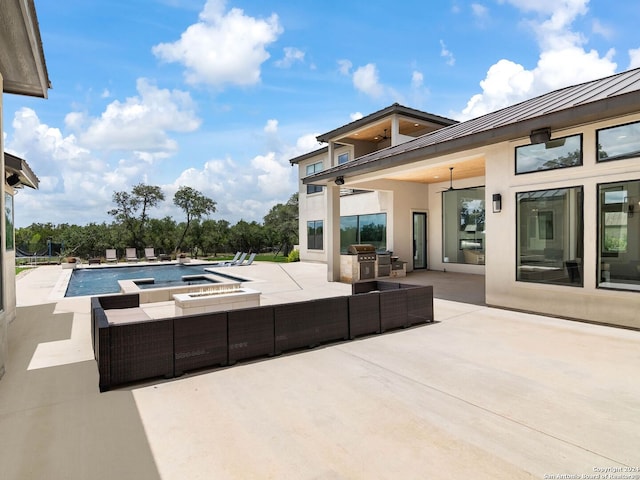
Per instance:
x=102, y=280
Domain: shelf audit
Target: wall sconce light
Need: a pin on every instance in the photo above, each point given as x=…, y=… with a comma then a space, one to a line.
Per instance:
x=339, y=180
x=541, y=135
x=497, y=203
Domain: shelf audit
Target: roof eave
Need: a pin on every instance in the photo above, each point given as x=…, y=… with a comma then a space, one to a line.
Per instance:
x=380, y=114
x=17, y=166
x=586, y=113
x=22, y=61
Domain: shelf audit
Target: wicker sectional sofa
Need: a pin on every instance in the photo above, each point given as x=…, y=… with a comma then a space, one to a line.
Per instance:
x=136, y=348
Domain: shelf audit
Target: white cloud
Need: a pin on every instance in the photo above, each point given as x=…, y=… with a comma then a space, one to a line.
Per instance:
x=366, y=80
x=356, y=116
x=140, y=123
x=223, y=47
x=344, y=67
x=634, y=58
x=448, y=55
x=563, y=60
x=291, y=55
x=604, y=31
x=271, y=126
x=479, y=11
x=417, y=79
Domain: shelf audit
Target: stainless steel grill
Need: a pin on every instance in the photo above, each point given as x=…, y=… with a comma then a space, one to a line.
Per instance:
x=366, y=256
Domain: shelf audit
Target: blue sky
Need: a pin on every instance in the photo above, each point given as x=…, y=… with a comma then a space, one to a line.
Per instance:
x=220, y=95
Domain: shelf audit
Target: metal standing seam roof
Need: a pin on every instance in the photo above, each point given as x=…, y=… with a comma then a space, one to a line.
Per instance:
x=598, y=99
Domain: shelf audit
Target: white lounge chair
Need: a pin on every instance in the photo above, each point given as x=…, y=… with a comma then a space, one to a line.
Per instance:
x=227, y=262
x=249, y=261
x=150, y=254
x=238, y=261
x=132, y=256
x=111, y=255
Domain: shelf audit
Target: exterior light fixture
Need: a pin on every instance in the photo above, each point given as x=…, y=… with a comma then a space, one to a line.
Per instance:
x=541, y=135
x=497, y=203
x=339, y=180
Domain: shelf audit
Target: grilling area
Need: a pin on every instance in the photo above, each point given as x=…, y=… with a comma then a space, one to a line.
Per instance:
x=363, y=262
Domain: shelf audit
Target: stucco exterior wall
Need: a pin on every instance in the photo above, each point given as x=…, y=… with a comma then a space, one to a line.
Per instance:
x=3, y=312
x=587, y=302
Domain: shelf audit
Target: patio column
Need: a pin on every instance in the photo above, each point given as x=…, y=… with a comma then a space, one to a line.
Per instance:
x=333, y=232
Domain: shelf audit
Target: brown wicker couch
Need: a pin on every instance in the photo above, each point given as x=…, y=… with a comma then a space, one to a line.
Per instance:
x=144, y=349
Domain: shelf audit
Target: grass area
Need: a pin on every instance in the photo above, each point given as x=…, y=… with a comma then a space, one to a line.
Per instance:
x=263, y=257
x=21, y=269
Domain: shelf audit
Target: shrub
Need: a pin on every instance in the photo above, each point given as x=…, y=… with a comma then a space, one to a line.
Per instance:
x=294, y=256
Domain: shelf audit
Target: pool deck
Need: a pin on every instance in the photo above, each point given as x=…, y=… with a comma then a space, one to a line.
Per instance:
x=482, y=393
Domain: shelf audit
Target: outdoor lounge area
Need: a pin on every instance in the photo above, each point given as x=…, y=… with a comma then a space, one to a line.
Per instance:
x=130, y=346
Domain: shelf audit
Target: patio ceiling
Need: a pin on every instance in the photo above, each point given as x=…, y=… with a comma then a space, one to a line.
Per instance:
x=473, y=167
x=22, y=62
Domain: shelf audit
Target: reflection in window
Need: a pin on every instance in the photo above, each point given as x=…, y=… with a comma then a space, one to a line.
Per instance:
x=343, y=158
x=371, y=229
x=8, y=206
x=557, y=153
x=619, y=235
x=618, y=143
x=463, y=225
x=311, y=169
x=314, y=235
x=550, y=236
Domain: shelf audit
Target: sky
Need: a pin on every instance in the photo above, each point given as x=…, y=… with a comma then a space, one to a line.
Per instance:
x=220, y=95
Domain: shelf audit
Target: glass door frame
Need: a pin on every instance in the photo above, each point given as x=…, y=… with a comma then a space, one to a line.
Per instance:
x=415, y=239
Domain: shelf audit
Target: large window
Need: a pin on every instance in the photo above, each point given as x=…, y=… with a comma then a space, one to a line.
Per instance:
x=370, y=229
x=311, y=169
x=8, y=207
x=557, y=153
x=314, y=235
x=618, y=143
x=619, y=235
x=550, y=236
x=463, y=226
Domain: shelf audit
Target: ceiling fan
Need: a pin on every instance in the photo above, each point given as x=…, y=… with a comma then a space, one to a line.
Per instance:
x=382, y=137
x=451, y=189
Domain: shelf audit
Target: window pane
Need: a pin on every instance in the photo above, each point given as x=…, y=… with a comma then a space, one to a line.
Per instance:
x=348, y=232
x=311, y=169
x=314, y=235
x=343, y=158
x=463, y=216
x=8, y=205
x=373, y=230
x=556, y=153
x=619, y=239
x=618, y=143
x=550, y=236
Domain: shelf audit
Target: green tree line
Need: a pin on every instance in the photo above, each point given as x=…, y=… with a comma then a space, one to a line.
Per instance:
x=134, y=226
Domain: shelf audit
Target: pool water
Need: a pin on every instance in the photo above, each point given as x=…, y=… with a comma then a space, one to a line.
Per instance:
x=98, y=281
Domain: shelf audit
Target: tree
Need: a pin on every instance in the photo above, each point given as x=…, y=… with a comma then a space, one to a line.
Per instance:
x=195, y=206
x=282, y=224
x=132, y=210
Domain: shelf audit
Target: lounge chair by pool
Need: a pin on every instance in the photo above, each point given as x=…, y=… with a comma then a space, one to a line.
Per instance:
x=150, y=254
x=111, y=255
x=132, y=256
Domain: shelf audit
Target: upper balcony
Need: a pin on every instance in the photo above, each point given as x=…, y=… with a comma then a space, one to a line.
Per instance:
x=390, y=126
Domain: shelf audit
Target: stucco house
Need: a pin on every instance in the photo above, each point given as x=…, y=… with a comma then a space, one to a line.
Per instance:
x=542, y=197
x=23, y=71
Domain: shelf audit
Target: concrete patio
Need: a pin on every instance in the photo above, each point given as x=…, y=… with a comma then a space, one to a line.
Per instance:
x=482, y=393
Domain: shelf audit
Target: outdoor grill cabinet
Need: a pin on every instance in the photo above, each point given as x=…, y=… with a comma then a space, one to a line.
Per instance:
x=139, y=350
